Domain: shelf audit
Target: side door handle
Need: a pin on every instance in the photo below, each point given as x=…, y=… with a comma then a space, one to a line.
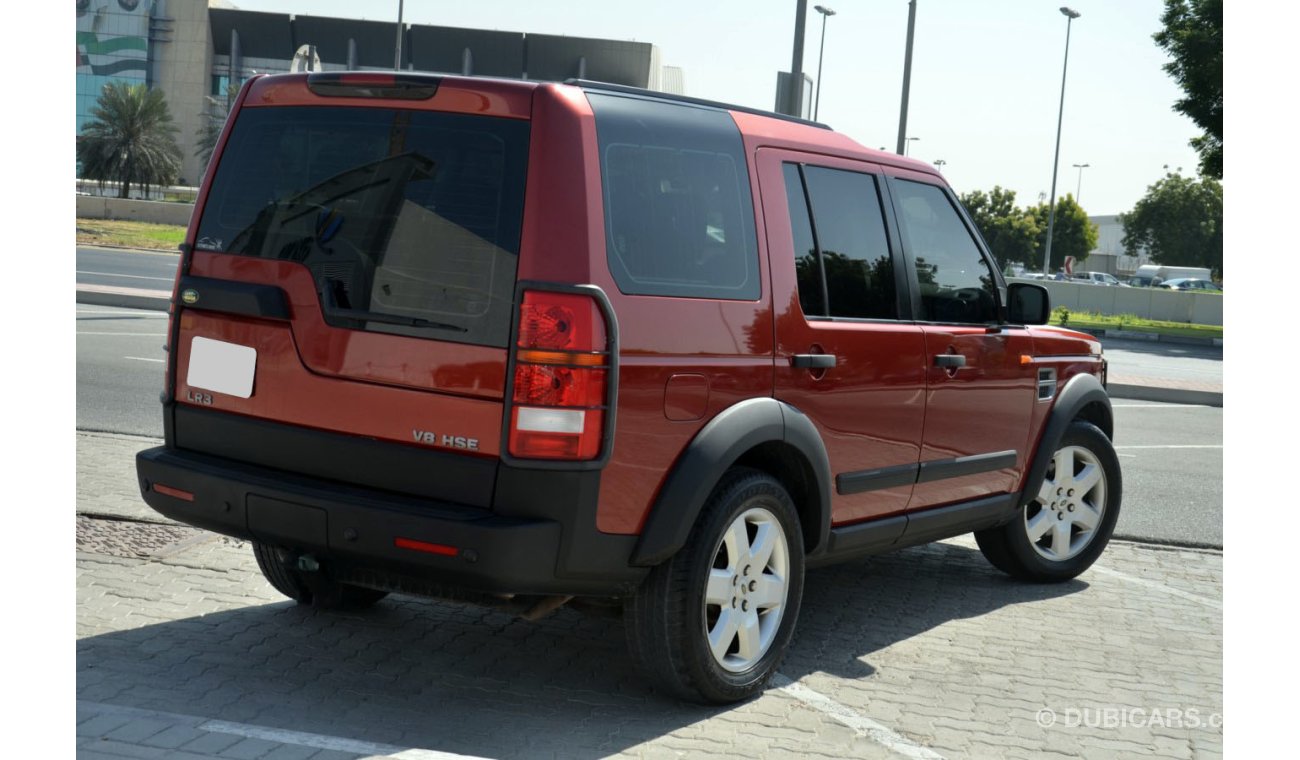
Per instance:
x=949, y=361
x=813, y=361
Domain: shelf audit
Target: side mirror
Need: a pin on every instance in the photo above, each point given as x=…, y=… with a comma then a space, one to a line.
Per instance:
x=1027, y=304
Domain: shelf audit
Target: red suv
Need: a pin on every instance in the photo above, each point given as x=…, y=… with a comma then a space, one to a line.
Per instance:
x=523, y=343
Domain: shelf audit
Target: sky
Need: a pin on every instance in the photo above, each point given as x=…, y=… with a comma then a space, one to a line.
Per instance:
x=986, y=76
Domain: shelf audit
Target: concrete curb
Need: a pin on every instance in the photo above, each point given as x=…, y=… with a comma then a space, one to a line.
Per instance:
x=1149, y=337
x=126, y=298
x=1165, y=395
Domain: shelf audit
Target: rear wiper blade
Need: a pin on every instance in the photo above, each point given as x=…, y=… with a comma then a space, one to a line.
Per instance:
x=333, y=310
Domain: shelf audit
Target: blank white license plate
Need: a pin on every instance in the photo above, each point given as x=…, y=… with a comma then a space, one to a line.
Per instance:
x=222, y=367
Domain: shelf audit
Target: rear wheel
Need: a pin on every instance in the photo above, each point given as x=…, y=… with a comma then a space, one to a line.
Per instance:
x=1062, y=530
x=316, y=588
x=712, y=624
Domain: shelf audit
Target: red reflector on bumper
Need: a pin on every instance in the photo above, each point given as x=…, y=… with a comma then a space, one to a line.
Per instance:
x=424, y=546
x=175, y=493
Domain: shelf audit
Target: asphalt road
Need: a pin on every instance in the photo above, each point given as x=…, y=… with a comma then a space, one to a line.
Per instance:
x=1176, y=361
x=120, y=369
x=128, y=269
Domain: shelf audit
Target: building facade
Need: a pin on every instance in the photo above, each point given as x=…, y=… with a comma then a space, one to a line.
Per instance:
x=196, y=51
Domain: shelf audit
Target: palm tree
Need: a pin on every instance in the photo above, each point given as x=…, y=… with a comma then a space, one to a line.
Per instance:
x=131, y=139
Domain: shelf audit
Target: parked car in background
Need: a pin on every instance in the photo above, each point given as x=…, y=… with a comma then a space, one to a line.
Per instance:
x=1097, y=278
x=1157, y=273
x=1143, y=282
x=1189, y=283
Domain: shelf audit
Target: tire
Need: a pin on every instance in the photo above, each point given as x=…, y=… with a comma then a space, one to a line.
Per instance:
x=1062, y=530
x=699, y=591
x=320, y=591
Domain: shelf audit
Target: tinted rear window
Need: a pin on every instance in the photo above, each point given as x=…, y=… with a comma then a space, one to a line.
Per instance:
x=411, y=214
x=679, y=220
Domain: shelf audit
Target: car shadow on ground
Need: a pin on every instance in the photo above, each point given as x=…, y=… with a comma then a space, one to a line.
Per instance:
x=442, y=676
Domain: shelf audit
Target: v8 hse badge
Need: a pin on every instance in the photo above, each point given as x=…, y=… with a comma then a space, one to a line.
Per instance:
x=446, y=441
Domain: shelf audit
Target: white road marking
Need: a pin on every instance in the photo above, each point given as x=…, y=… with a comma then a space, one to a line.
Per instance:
x=300, y=738
x=132, y=276
x=144, y=359
x=136, y=313
x=321, y=741
x=877, y=732
x=1155, y=406
x=1177, y=446
x=1215, y=603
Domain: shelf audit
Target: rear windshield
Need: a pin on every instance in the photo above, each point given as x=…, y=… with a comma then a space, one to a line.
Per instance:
x=409, y=221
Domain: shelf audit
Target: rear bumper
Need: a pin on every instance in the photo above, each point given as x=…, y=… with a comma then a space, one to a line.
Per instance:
x=541, y=546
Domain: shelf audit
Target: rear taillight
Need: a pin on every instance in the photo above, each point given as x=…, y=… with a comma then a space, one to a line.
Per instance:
x=562, y=377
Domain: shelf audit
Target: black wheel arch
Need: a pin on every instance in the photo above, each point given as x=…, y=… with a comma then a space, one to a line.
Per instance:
x=1082, y=398
x=763, y=433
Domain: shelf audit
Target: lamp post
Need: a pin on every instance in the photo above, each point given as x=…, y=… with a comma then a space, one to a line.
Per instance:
x=826, y=13
x=1070, y=16
x=1078, y=189
x=908, y=144
x=907, y=76
x=939, y=163
x=397, y=56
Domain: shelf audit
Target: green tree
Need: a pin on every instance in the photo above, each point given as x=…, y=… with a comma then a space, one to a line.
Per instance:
x=1193, y=35
x=1073, y=234
x=211, y=122
x=1012, y=233
x=131, y=140
x=1179, y=221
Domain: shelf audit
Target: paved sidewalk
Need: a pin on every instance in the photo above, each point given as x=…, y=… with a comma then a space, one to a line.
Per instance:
x=185, y=651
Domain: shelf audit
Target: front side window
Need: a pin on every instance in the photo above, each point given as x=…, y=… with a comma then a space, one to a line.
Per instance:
x=955, y=283
x=844, y=268
x=679, y=218
x=409, y=221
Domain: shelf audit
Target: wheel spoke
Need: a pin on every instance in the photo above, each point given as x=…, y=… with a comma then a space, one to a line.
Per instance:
x=769, y=592
x=724, y=632
x=737, y=543
x=1064, y=460
x=1061, y=538
x=1088, y=517
x=1047, y=491
x=764, y=544
x=719, y=588
x=750, y=644
x=1087, y=479
x=1040, y=523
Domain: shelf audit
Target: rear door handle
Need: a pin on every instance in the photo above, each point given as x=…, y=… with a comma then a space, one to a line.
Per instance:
x=813, y=361
x=949, y=361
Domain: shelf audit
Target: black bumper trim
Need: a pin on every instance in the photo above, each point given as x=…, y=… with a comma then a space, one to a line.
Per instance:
x=496, y=553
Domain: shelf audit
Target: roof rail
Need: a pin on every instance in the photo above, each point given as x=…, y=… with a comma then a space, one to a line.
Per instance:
x=588, y=84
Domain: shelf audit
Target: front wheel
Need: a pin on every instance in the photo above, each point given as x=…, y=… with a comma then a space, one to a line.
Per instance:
x=712, y=624
x=1062, y=530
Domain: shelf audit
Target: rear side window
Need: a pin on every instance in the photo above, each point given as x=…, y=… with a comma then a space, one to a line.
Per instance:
x=679, y=218
x=409, y=221
x=843, y=264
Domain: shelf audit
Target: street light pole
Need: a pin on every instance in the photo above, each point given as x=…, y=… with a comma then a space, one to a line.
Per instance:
x=939, y=163
x=908, y=143
x=826, y=13
x=1078, y=189
x=1070, y=16
x=907, y=77
x=397, y=56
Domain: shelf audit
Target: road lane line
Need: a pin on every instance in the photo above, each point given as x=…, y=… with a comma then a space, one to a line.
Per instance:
x=144, y=359
x=132, y=276
x=877, y=732
x=1176, y=446
x=1156, y=406
x=1215, y=603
